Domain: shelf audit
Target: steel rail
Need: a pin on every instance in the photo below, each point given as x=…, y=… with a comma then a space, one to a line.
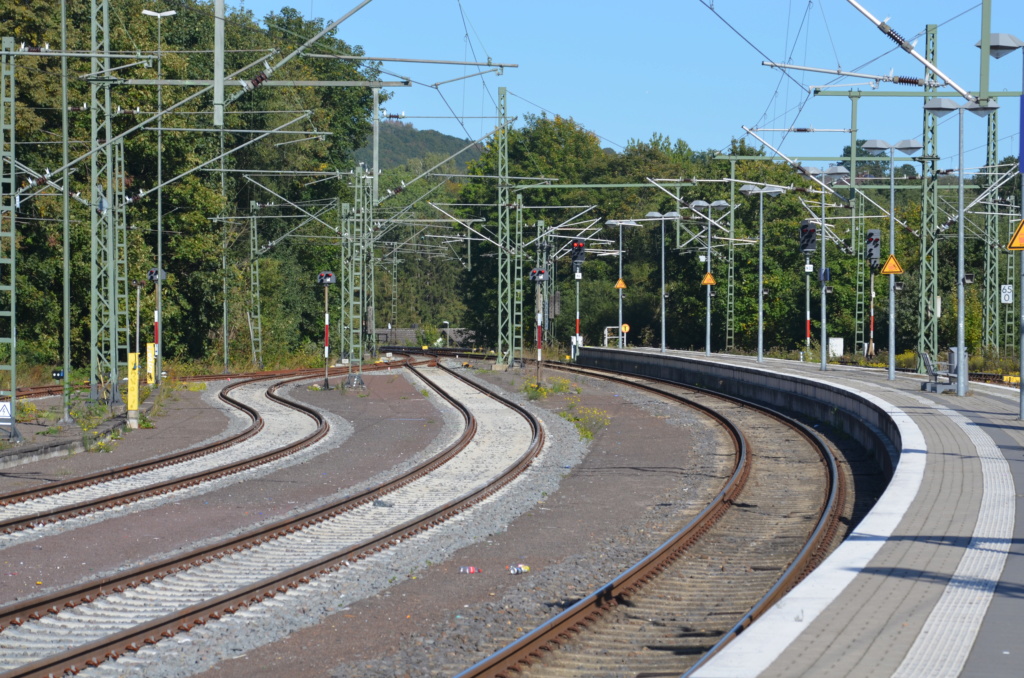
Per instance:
x=528, y=649
x=825, y=530
x=153, y=631
x=130, y=496
x=128, y=470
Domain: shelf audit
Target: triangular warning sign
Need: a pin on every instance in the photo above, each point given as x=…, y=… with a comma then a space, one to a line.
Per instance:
x=1017, y=241
x=708, y=279
x=621, y=285
x=891, y=266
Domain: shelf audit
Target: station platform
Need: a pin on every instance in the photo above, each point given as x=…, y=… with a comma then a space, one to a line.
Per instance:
x=931, y=583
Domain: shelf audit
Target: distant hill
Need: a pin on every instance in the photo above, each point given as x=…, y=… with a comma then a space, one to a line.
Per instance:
x=401, y=142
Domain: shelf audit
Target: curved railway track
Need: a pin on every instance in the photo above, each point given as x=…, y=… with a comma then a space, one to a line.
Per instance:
x=87, y=625
x=54, y=502
x=770, y=524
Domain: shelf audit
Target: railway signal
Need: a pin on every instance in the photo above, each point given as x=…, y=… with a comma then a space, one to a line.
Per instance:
x=873, y=247
x=579, y=253
x=808, y=236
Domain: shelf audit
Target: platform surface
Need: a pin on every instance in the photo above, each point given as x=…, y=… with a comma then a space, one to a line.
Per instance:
x=931, y=583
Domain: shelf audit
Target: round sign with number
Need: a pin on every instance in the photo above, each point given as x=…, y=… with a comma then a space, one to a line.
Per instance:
x=625, y=328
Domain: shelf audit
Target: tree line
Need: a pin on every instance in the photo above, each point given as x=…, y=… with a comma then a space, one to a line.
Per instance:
x=428, y=268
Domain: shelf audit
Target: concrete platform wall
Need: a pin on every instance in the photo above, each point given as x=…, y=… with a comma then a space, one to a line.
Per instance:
x=859, y=418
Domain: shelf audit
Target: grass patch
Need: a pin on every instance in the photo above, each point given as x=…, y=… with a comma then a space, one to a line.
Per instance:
x=539, y=390
x=535, y=391
x=587, y=420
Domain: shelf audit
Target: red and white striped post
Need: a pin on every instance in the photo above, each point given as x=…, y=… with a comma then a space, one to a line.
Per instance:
x=326, y=278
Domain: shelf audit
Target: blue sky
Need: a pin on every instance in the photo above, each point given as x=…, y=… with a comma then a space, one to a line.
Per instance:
x=627, y=70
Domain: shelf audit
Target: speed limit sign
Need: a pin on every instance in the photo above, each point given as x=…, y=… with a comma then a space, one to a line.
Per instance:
x=1006, y=294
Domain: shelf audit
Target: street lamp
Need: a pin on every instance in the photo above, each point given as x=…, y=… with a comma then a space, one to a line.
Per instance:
x=158, y=340
x=620, y=223
x=760, y=191
x=941, y=107
x=700, y=206
x=876, y=147
x=828, y=177
x=662, y=218
x=1001, y=44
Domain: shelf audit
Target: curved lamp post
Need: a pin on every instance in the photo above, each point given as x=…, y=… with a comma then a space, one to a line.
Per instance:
x=877, y=147
x=1001, y=44
x=941, y=107
x=760, y=191
x=661, y=217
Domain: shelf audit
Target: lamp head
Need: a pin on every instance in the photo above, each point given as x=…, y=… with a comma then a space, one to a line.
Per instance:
x=875, y=146
x=909, y=146
x=1001, y=44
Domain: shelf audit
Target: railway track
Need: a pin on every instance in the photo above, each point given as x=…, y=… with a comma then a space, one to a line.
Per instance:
x=55, y=502
x=772, y=521
x=105, y=619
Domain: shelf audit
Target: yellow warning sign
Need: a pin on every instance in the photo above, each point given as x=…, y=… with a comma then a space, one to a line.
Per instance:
x=891, y=266
x=621, y=285
x=708, y=279
x=625, y=328
x=1017, y=241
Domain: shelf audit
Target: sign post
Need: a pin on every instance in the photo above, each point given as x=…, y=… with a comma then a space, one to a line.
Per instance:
x=1017, y=244
x=150, y=363
x=625, y=331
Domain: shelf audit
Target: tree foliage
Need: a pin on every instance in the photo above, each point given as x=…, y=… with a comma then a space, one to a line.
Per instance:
x=434, y=258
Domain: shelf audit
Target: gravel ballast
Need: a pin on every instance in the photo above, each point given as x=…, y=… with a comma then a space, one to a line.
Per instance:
x=421, y=617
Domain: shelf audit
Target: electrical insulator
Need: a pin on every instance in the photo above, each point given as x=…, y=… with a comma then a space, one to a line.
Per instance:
x=907, y=80
x=893, y=35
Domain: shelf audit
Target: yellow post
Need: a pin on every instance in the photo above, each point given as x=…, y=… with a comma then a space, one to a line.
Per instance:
x=150, y=364
x=133, y=390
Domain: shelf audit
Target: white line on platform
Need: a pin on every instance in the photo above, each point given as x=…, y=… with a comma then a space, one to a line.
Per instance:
x=765, y=640
x=945, y=641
